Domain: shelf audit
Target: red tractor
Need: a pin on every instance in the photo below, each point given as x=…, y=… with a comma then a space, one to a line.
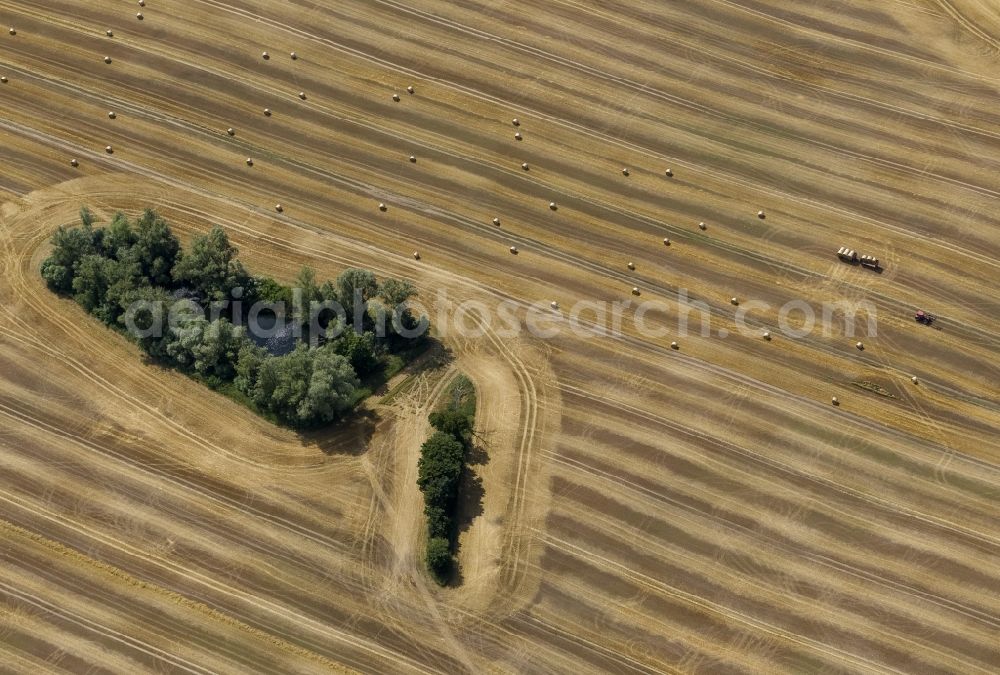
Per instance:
x=923, y=317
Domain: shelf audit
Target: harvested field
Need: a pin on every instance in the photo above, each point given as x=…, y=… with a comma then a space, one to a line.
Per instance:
x=698, y=509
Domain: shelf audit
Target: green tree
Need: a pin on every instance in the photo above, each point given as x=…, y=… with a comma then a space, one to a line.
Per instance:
x=282, y=381
x=438, y=558
x=329, y=317
x=359, y=349
x=397, y=318
x=91, y=281
x=86, y=217
x=306, y=387
x=155, y=248
x=219, y=351
x=396, y=291
x=144, y=314
x=306, y=280
x=248, y=363
x=100, y=283
x=211, y=268
x=210, y=349
x=453, y=422
x=58, y=278
x=439, y=470
x=328, y=292
x=331, y=388
x=69, y=247
x=438, y=522
x=187, y=337
x=119, y=236
x=309, y=292
x=267, y=289
x=355, y=283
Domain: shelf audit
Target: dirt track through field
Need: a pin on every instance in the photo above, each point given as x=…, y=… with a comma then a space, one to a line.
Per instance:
x=643, y=508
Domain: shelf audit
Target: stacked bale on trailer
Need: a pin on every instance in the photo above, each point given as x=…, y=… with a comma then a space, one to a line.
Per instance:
x=847, y=254
x=869, y=261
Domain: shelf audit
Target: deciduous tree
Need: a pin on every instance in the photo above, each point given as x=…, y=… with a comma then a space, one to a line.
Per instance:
x=439, y=469
x=331, y=387
x=100, y=283
x=355, y=284
x=396, y=291
x=69, y=247
x=358, y=349
x=306, y=387
x=309, y=292
x=438, y=558
x=453, y=422
x=119, y=236
x=156, y=248
x=211, y=269
x=208, y=348
x=145, y=311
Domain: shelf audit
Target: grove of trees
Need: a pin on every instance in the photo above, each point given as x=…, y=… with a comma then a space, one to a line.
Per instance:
x=108, y=270
x=439, y=473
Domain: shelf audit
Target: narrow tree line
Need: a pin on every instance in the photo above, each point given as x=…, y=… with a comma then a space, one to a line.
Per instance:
x=439, y=472
x=112, y=270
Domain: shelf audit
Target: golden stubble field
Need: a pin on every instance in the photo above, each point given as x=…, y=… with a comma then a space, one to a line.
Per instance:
x=704, y=509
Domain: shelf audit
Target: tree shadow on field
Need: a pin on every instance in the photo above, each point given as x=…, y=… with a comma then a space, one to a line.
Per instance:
x=349, y=437
x=470, y=503
x=476, y=455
